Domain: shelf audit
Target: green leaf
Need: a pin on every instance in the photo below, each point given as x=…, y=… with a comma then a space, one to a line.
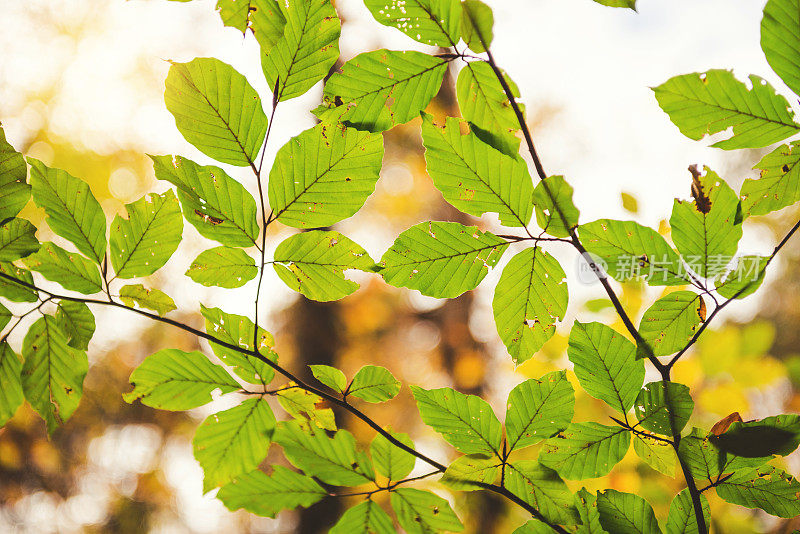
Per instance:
x=585, y=450
x=136, y=295
x=422, y=512
x=364, y=518
x=534, y=526
x=373, y=383
x=467, y=422
x=586, y=503
x=538, y=409
x=172, y=379
x=779, y=434
x=14, y=191
x=17, y=239
x=216, y=110
x=233, y=442
x=529, y=299
x=706, y=461
x=778, y=185
x=226, y=267
x=302, y=406
x=306, y=52
x=390, y=460
x=378, y=90
x=471, y=472
x=713, y=101
x=219, y=207
x=332, y=460
x=671, y=322
x=780, y=40
x=330, y=376
x=485, y=105
x=441, y=259
x=631, y=251
x=681, y=518
x=625, y=513
x=313, y=263
x=475, y=177
x=14, y=291
x=431, y=22
x=72, y=211
x=76, y=320
x=664, y=407
x=71, y=270
x=5, y=316
x=606, y=364
x=264, y=18
x=744, y=279
x=53, y=372
x=239, y=331
x=555, y=212
x=324, y=175
x=631, y=4
x=706, y=231
x=11, y=395
x=543, y=489
x=266, y=495
x=656, y=453
x=768, y=488
x=476, y=25
x=142, y=243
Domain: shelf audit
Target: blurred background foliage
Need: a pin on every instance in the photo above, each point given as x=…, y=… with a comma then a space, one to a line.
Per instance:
x=120, y=468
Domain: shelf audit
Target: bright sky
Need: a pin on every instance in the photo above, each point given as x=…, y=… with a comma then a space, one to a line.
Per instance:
x=584, y=69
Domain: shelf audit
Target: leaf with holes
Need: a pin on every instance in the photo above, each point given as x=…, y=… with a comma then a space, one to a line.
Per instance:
x=333, y=460
x=390, y=460
x=681, y=518
x=431, y=22
x=226, y=267
x=586, y=503
x=266, y=495
x=17, y=239
x=52, y=373
x=706, y=461
x=76, y=321
x=711, y=102
x=373, y=383
x=307, y=50
x=302, y=406
x=630, y=251
x=605, y=364
x=538, y=409
x=324, y=175
x=767, y=488
x=218, y=206
x=72, y=211
x=467, y=422
x=625, y=513
x=71, y=270
x=671, y=322
x=13, y=290
x=664, y=407
x=556, y=214
x=421, y=512
x=376, y=91
x=11, y=395
x=475, y=177
x=471, y=472
x=485, y=106
x=707, y=230
x=777, y=186
x=585, y=450
x=529, y=299
x=364, y=518
x=142, y=243
x=656, y=453
x=172, y=379
x=441, y=259
x=744, y=279
x=265, y=18
x=233, y=442
x=138, y=296
x=542, y=488
x=216, y=110
x=313, y=263
x=14, y=190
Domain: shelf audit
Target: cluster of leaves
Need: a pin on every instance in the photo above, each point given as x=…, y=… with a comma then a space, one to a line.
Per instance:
x=324, y=175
